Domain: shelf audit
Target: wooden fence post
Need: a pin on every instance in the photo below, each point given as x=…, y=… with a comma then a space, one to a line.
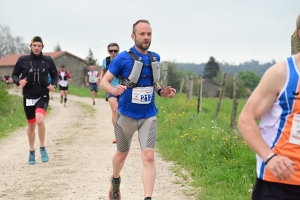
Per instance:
x=199, y=110
x=187, y=87
x=181, y=85
x=235, y=102
x=165, y=73
x=220, y=95
x=191, y=84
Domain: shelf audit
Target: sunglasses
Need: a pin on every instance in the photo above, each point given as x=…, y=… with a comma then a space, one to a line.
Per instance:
x=115, y=51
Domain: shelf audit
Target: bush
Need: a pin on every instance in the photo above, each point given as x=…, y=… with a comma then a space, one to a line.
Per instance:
x=4, y=100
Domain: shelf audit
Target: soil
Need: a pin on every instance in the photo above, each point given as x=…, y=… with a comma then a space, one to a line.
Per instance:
x=79, y=143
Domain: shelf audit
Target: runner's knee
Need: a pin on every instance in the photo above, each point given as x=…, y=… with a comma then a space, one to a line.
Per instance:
x=148, y=156
x=121, y=156
x=31, y=126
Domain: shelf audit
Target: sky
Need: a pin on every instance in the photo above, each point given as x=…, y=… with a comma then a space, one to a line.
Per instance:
x=189, y=31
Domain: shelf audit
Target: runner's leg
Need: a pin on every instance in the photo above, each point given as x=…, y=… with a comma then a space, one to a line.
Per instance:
x=147, y=137
x=113, y=102
x=41, y=126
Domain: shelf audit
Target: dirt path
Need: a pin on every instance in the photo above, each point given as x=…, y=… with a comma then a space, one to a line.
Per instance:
x=78, y=140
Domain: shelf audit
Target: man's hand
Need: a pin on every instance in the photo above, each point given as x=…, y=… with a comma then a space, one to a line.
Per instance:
x=99, y=79
x=281, y=167
x=51, y=88
x=168, y=92
x=23, y=82
x=87, y=84
x=119, y=90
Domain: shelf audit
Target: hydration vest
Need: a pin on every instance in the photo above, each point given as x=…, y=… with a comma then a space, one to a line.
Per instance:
x=37, y=74
x=107, y=59
x=135, y=74
x=92, y=76
x=67, y=75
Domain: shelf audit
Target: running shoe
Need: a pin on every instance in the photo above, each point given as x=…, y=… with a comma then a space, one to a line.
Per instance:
x=114, y=140
x=44, y=155
x=61, y=100
x=94, y=103
x=65, y=105
x=114, y=190
x=31, y=159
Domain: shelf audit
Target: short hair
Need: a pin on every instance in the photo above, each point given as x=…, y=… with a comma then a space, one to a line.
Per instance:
x=112, y=45
x=298, y=26
x=137, y=22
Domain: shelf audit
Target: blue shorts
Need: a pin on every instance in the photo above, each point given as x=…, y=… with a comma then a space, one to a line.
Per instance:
x=111, y=95
x=93, y=87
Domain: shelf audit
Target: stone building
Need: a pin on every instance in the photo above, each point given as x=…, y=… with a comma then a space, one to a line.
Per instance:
x=74, y=64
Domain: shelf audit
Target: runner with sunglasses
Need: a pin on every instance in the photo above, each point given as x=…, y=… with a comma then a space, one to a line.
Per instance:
x=113, y=50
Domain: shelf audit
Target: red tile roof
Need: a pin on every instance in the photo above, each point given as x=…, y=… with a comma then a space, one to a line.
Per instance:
x=11, y=59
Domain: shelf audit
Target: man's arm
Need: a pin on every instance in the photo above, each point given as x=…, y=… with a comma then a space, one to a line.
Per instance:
x=86, y=80
x=16, y=72
x=166, y=91
x=53, y=74
x=258, y=104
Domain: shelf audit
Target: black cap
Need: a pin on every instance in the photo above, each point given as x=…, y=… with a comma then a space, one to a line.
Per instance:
x=37, y=39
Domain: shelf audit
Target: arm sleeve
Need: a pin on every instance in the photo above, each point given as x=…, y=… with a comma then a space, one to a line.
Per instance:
x=53, y=73
x=68, y=74
x=16, y=72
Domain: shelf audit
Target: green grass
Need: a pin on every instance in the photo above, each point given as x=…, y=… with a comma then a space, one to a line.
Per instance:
x=83, y=91
x=219, y=161
x=13, y=119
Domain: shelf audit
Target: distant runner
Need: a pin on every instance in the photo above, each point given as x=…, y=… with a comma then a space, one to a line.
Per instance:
x=91, y=79
x=113, y=50
x=64, y=76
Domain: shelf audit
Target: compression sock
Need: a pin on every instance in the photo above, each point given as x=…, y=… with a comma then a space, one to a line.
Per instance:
x=65, y=100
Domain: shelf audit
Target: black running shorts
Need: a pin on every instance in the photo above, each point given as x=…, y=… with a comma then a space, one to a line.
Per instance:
x=63, y=88
x=264, y=190
x=40, y=107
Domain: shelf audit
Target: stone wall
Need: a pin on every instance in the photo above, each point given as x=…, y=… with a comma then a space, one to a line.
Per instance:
x=6, y=70
x=75, y=66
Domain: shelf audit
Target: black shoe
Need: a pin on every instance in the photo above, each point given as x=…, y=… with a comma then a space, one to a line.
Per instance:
x=114, y=190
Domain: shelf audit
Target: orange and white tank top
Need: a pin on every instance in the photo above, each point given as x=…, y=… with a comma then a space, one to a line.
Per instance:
x=280, y=126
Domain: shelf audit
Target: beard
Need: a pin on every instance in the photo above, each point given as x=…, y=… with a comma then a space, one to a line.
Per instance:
x=140, y=45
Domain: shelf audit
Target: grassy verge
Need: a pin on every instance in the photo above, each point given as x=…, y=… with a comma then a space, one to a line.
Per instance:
x=15, y=118
x=218, y=159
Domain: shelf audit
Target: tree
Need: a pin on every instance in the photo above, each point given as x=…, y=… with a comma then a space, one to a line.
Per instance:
x=57, y=47
x=241, y=93
x=10, y=44
x=91, y=59
x=211, y=68
x=174, y=76
x=250, y=79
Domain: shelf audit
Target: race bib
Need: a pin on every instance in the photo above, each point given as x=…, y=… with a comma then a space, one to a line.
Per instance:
x=31, y=102
x=92, y=79
x=295, y=132
x=142, y=95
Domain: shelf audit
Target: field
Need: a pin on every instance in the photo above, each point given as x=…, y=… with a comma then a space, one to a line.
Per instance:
x=217, y=159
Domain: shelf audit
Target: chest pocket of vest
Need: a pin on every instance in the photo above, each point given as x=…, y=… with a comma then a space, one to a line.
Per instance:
x=38, y=75
x=155, y=71
x=136, y=71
